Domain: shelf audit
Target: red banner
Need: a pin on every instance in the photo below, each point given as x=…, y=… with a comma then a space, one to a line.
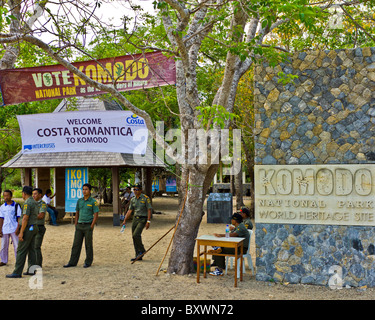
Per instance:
x=132, y=72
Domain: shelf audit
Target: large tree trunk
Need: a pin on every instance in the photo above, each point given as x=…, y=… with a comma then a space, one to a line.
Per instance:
x=200, y=176
x=181, y=259
x=182, y=252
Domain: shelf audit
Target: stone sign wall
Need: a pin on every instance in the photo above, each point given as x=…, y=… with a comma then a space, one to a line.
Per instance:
x=318, y=194
x=315, y=146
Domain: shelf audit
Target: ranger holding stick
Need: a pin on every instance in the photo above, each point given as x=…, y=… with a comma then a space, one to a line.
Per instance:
x=141, y=206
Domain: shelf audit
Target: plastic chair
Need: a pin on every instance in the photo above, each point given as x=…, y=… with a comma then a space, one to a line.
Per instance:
x=247, y=256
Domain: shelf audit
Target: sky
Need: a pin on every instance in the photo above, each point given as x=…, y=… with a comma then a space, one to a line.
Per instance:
x=116, y=9
x=110, y=11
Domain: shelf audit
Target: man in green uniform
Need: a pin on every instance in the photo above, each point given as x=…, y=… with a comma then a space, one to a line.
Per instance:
x=28, y=230
x=245, y=213
x=141, y=206
x=87, y=212
x=42, y=206
x=239, y=230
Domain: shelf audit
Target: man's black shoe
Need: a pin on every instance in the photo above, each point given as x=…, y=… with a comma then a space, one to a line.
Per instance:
x=139, y=255
x=69, y=265
x=13, y=275
x=86, y=265
x=134, y=259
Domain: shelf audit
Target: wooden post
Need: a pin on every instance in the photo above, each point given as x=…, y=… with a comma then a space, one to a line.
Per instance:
x=59, y=187
x=43, y=179
x=116, y=196
x=148, y=183
x=28, y=176
x=59, y=190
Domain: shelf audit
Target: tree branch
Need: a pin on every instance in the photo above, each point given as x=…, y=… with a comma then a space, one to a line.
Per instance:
x=357, y=24
x=276, y=47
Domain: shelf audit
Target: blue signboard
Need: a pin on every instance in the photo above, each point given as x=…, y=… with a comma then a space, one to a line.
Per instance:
x=155, y=185
x=75, y=178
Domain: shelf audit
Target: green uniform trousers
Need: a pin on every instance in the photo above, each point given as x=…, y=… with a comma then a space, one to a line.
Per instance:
x=138, y=225
x=219, y=261
x=26, y=247
x=38, y=246
x=83, y=231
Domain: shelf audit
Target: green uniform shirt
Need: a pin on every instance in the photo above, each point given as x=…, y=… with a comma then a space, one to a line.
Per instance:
x=242, y=232
x=248, y=224
x=86, y=209
x=42, y=208
x=140, y=205
x=31, y=209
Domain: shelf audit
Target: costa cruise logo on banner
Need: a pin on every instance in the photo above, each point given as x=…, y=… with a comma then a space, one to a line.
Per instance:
x=135, y=120
x=107, y=131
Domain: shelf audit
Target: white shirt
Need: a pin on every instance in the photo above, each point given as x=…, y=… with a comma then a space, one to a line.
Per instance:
x=46, y=199
x=128, y=195
x=7, y=212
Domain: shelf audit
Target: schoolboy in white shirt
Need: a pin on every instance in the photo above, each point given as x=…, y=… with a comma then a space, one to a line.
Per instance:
x=10, y=211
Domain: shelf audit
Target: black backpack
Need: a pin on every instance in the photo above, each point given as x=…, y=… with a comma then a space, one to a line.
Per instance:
x=17, y=205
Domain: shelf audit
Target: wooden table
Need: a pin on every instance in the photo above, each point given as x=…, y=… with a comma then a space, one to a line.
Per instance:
x=231, y=242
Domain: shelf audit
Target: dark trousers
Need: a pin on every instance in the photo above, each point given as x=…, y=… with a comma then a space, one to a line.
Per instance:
x=26, y=247
x=38, y=247
x=138, y=225
x=83, y=231
x=219, y=261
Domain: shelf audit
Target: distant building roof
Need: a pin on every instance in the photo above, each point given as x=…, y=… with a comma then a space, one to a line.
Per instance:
x=81, y=159
x=88, y=104
x=89, y=158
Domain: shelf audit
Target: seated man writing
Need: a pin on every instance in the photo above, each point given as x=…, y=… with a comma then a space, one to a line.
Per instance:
x=240, y=231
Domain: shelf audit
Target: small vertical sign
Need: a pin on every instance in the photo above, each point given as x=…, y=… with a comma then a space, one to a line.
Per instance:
x=75, y=178
x=171, y=184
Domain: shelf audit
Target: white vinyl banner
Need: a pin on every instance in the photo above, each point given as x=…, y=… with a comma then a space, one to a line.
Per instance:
x=108, y=131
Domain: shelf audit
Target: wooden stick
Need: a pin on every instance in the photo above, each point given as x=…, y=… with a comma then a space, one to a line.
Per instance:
x=182, y=209
x=140, y=256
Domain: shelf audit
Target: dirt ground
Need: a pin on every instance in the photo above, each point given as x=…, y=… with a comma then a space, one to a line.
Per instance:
x=113, y=277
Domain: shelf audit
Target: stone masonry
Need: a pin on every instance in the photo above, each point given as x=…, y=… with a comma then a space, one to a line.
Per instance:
x=326, y=116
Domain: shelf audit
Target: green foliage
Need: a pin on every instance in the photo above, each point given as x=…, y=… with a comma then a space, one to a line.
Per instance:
x=6, y=18
x=101, y=178
x=355, y=28
x=160, y=103
x=10, y=112
x=17, y=194
x=31, y=56
x=214, y=115
x=10, y=140
x=13, y=181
